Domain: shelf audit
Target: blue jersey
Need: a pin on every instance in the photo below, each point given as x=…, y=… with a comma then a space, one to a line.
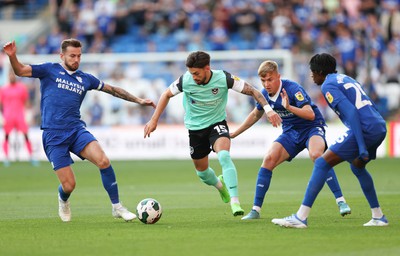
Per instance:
x=62, y=95
x=297, y=97
x=337, y=88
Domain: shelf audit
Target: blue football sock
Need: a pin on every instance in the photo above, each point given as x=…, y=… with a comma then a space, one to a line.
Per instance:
x=262, y=185
x=367, y=185
x=64, y=196
x=317, y=180
x=333, y=183
x=110, y=183
x=229, y=172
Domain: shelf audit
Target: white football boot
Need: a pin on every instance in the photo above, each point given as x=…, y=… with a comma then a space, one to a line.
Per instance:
x=377, y=222
x=290, y=222
x=122, y=212
x=64, y=210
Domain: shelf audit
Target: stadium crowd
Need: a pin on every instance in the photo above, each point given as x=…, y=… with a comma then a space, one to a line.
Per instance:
x=364, y=36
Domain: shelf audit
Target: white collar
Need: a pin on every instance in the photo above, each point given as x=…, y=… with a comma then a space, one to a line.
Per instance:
x=275, y=97
x=68, y=71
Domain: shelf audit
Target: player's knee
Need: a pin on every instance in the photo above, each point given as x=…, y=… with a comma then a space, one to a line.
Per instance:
x=314, y=155
x=358, y=163
x=224, y=156
x=103, y=162
x=357, y=171
x=270, y=161
x=68, y=186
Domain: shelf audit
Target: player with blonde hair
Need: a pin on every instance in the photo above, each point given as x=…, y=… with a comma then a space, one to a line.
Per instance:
x=302, y=127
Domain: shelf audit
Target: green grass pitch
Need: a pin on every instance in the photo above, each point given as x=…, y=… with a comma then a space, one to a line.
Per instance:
x=195, y=221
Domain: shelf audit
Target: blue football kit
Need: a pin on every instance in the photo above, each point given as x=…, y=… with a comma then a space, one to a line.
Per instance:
x=296, y=130
x=62, y=93
x=296, y=134
x=367, y=128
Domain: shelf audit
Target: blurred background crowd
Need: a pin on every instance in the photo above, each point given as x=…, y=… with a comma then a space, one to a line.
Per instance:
x=364, y=36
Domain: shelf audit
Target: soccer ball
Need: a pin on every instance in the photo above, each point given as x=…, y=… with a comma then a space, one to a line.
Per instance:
x=149, y=211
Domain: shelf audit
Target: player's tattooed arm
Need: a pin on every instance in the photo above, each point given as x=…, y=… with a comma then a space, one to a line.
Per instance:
x=120, y=93
x=248, y=89
x=272, y=116
x=125, y=95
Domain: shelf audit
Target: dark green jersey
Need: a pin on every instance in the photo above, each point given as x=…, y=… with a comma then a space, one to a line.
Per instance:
x=205, y=104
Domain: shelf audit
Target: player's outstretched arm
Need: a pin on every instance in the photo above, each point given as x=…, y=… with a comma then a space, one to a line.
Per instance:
x=273, y=117
x=162, y=104
x=123, y=94
x=20, y=69
x=251, y=119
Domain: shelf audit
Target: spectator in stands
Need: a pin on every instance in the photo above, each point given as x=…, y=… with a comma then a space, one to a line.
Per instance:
x=54, y=39
x=390, y=19
x=245, y=21
x=346, y=45
x=99, y=44
x=96, y=112
x=42, y=47
x=121, y=17
x=391, y=63
x=337, y=27
x=105, y=19
x=323, y=42
x=218, y=36
x=265, y=39
x=86, y=25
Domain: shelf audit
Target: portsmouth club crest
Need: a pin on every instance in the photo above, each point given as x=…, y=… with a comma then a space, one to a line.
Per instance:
x=214, y=90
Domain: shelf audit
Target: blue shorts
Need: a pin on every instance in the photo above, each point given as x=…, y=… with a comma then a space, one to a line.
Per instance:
x=58, y=144
x=295, y=141
x=346, y=146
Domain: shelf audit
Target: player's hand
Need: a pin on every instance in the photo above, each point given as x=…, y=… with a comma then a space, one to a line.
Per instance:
x=10, y=48
x=285, y=99
x=149, y=128
x=274, y=118
x=147, y=102
x=232, y=135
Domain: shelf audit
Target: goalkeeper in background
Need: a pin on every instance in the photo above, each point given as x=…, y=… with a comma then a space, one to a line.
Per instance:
x=14, y=97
